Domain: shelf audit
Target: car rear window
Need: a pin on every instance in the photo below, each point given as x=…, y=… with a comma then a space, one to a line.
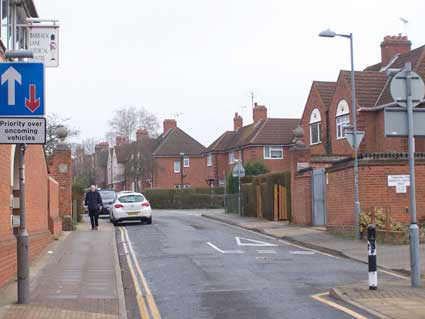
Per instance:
x=108, y=195
x=131, y=199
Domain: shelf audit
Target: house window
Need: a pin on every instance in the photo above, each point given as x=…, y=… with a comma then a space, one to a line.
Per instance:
x=177, y=186
x=186, y=186
x=273, y=152
x=176, y=166
x=186, y=161
x=315, y=127
x=342, y=118
x=231, y=157
x=209, y=160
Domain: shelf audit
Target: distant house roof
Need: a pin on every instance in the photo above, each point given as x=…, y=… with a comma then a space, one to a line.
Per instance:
x=326, y=91
x=271, y=131
x=176, y=141
x=124, y=151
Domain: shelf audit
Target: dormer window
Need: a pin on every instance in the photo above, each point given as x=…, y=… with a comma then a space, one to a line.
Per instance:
x=315, y=127
x=342, y=118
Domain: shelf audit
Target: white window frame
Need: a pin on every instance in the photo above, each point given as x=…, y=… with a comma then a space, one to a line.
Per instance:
x=231, y=157
x=342, y=118
x=267, y=152
x=209, y=160
x=176, y=166
x=186, y=186
x=177, y=186
x=341, y=122
x=315, y=123
x=186, y=161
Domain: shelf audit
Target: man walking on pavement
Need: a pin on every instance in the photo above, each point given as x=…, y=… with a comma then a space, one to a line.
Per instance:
x=93, y=202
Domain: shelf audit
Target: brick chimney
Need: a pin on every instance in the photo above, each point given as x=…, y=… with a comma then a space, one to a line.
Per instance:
x=259, y=112
x=101, y=146
x=169, y=124
x=393, y=45
x=141, y=134
x=119, y=140
x=237, y=122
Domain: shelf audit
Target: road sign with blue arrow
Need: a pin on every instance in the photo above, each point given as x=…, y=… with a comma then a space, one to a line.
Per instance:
x=21, y=89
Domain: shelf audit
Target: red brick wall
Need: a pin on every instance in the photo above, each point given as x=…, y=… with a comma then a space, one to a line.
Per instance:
x=374, y=191
x=256, y=154
x=36, y=203
x=301, y=199
x=165, y=177
x=55, y=222
x=63, y=157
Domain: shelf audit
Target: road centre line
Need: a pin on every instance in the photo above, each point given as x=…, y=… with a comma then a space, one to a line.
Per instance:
x=149, y=296
x=139, y=297
x=319, y=297
x=224, y=251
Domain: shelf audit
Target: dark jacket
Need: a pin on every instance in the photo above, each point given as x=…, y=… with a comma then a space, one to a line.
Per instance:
x=93, y=200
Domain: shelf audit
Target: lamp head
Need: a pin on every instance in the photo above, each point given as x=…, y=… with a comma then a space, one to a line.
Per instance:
x=328, y=33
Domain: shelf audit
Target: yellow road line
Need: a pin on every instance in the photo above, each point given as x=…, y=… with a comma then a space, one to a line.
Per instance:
x=139, y=297
x=149, y=296
x=352, y=313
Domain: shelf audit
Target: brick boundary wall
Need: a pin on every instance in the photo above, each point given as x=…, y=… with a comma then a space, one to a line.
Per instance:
x=374, y=191
x=55, y=221
x=302, y=200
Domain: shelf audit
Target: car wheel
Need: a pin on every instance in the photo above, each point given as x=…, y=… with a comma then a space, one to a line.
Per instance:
x=115, y=222
x=149, y=220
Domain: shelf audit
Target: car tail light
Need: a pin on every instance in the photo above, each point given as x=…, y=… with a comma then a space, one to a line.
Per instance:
x=145, y=204
x=118, y=206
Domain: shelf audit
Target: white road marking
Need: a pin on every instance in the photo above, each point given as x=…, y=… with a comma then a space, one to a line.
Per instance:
x=301, y=252
x=225, y=251
x=266, y=251
x=252, y=242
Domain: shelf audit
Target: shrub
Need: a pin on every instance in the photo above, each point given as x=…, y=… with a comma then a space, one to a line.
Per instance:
x=255, y=168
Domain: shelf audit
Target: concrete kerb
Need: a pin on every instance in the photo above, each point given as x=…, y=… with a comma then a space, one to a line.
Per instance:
x=120, y=286
x=339, y=295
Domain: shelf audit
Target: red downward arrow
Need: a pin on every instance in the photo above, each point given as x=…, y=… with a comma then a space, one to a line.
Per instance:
x=32, y=103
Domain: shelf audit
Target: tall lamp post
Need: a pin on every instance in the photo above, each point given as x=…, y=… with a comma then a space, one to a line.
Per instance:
x=331, y=34
x=181, y=170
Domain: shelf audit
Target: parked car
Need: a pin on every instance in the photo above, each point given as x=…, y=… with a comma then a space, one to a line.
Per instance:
x=108, y=198
x=130, y=206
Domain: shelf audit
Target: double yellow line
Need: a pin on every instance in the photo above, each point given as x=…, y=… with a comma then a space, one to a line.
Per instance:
x=146, y=311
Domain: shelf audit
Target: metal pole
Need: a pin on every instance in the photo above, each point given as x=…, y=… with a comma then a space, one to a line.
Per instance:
x=413, y=229
x=22, y=237
x=181, y=172
x=225, y=191
x=239, y=188
x=356, y=160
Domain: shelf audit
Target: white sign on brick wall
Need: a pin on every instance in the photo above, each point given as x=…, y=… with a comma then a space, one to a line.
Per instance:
x=400, y=182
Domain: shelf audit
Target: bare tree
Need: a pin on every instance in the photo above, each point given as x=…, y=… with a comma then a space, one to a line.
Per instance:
x=127, y=120
x=139, y=164
x=89, y=145
x=53, y=122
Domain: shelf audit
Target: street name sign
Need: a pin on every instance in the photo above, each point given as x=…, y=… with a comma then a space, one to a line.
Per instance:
x=23, y=130
x=400, y=182
x=43, y=41
x=21, y=89
x=396, y=125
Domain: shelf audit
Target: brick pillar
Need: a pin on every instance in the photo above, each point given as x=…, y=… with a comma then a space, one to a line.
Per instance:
x=60, y=168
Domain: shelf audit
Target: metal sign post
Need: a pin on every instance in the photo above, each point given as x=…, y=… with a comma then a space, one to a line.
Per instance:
x=239, y=171
x=408, y=90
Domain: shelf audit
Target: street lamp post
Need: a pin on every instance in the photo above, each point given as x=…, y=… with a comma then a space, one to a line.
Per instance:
x=181, y=170
x=331, y=34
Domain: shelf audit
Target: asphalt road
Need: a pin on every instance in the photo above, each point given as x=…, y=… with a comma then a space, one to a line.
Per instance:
x=187, y=266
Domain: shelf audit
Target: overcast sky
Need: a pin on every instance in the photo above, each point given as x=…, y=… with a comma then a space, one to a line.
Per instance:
x=201, y=58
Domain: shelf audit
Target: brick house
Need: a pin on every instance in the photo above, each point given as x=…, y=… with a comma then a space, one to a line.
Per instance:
x=328, y=110
x=178, y=159
x=266, y=140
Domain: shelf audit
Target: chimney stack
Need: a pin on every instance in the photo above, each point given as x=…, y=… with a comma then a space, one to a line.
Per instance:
x=119, y=140
x=259, y=112
x=141, y=134
x=237, y=122
x=169, y=124
x=393, y=45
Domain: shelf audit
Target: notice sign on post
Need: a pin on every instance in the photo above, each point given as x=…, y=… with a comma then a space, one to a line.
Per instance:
x=43, y=41
x=23, y=130
x=400, y=182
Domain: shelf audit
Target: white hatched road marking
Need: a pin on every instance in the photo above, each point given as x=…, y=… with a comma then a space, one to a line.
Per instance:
x=224, y=251
x=252, y=242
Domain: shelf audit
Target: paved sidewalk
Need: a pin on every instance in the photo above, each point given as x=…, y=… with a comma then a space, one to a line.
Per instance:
x=77, y=277
x=395, y=257
x=393, y=299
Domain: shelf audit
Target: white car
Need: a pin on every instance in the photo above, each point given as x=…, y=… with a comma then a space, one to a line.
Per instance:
x=130, y=206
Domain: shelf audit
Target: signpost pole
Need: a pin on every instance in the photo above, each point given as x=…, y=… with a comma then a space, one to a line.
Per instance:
x=239, y=188
x=22, y=237
x=413, y=229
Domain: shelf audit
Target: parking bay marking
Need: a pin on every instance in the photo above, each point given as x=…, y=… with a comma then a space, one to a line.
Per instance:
x=224, y=251
x=252, y=242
